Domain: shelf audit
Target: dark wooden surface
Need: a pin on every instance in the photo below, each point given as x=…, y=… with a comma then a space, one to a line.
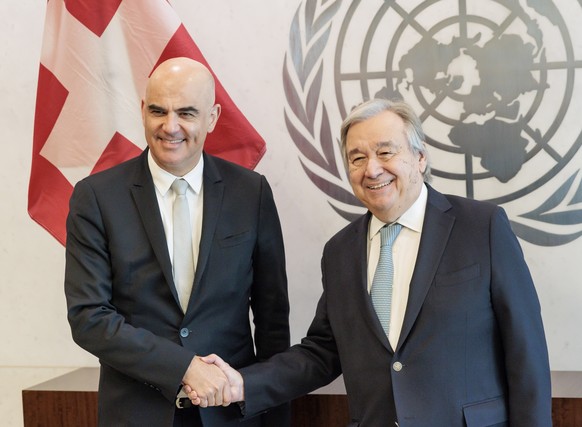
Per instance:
x=66, y=401
x=320, y=410
x=71, y=401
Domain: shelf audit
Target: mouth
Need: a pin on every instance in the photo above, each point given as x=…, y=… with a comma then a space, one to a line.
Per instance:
x=380, y=185
x=172, y=141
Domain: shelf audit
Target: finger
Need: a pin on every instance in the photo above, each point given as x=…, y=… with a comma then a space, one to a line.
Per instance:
x=211, y=400
x=210, y=359
x=214, y=397
x=218, y=396
x=216, y=360
x=226, y=396
x=203, y=403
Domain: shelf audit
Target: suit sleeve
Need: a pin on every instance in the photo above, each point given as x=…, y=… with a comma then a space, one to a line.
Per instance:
x=518, y=312
x=269, y=298
x=301, y=369
x=95, y=323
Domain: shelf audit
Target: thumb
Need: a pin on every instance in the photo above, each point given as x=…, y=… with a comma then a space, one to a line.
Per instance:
x=216, y=360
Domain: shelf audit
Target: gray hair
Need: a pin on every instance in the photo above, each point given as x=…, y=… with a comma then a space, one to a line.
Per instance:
x=413, y=128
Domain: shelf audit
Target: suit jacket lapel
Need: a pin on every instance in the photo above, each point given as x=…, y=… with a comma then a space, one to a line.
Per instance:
x=359, y=248
x=144, y=195
x=212, y=206
x=436, y=229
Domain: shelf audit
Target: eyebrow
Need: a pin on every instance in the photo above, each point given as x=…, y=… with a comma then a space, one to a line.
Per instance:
x=193, y=110
x=381, y=144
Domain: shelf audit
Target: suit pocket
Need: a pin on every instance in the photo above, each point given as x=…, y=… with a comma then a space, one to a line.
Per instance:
x=234, y=239
x=459, y=276
x=488, y=413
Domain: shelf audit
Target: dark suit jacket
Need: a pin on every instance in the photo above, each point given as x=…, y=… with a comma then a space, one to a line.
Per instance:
x=472, y=350
x=122, y=303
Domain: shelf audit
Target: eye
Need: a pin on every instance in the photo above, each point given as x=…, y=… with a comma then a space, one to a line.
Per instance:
x=157, y=113
x=385, y=154
x=358, y=161
x=186, y=115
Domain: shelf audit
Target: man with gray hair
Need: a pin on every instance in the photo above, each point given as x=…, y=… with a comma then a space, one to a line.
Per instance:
x=428, y=307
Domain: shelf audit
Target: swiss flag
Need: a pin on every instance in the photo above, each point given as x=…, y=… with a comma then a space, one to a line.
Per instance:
x=95, y=61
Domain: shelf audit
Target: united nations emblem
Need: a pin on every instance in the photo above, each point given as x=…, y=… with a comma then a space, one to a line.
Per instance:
x=496, y=83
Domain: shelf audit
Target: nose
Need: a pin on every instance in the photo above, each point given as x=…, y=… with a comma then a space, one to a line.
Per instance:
x=170, y=124
x=373, y=168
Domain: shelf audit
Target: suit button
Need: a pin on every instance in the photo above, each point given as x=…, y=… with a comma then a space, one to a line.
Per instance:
x=397, y=366
x=184, y=332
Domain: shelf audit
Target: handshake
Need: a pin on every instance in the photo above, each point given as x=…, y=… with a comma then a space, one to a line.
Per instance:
x=210, y=381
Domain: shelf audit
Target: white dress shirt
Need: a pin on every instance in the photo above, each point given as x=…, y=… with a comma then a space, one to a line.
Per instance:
x=163, y=181
x=404, y=252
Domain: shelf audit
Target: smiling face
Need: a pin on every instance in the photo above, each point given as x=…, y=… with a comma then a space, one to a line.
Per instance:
x=385, y=174
x=178, y=112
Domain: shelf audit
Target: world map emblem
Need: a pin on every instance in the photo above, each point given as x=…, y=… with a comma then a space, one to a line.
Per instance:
x=496, y=83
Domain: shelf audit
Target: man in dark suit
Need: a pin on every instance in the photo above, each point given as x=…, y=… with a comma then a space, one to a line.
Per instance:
x=463, y=343
x=121, y=279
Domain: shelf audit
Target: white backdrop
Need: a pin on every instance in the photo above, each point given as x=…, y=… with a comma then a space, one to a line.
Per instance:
x=245, y=42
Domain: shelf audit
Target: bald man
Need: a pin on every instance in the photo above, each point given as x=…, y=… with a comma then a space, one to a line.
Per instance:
x=127, y=303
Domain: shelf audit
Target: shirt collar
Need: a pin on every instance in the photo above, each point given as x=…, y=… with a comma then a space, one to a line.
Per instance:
x=163, y=179
x=412, y=218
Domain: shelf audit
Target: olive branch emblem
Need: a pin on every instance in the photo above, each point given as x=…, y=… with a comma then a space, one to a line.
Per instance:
x=558, y=209
x=306, y=117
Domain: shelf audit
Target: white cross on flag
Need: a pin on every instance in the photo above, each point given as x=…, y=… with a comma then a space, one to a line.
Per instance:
x=95, y=61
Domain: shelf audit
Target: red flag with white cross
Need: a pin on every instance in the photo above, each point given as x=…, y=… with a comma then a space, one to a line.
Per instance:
x=95, y=61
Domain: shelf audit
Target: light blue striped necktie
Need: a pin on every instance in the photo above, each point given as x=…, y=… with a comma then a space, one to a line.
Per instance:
x=381, y=291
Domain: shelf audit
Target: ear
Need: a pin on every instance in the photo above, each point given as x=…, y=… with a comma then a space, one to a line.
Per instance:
x=422, y=159
x=214, y=115
x=143, y=111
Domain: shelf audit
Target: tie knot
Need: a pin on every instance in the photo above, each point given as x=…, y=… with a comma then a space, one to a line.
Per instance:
x=179, y=186
x=388, y=233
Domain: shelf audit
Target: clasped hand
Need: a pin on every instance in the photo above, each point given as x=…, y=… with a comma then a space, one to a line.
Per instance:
x=210, y=381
